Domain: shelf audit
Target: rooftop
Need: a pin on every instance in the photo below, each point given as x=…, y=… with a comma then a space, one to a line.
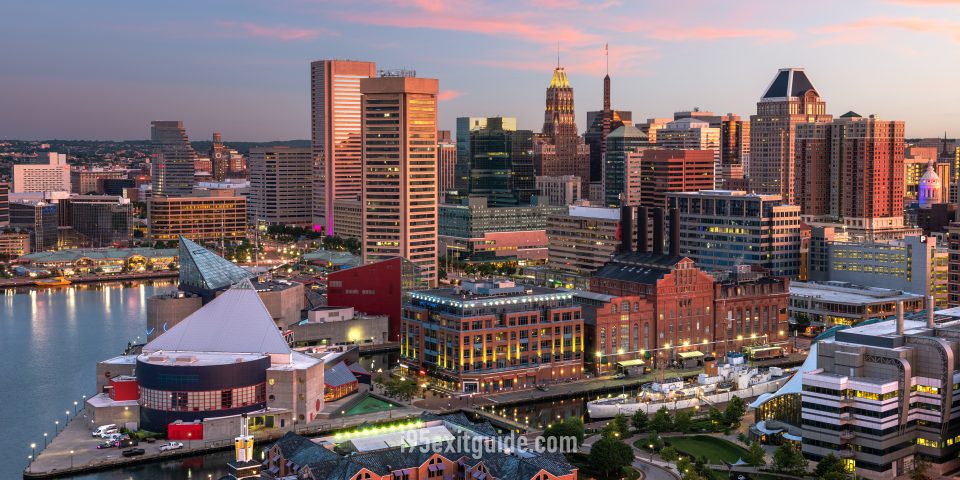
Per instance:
x=601, y=213
x=789, y=82
x=204, y=269
x=75, y=254
x=465, y=299
x=848, y=293
x=234, y=322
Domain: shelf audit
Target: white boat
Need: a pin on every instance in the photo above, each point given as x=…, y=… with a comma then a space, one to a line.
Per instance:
x=731, y=380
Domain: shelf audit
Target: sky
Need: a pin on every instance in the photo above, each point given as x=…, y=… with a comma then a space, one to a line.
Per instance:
x=105, y=69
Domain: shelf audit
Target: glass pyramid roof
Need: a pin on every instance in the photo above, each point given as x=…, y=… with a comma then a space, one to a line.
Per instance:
x=206, y=270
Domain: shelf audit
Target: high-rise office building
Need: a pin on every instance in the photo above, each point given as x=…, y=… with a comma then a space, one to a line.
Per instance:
x=721, y=229
x=621, y=169
x=219, y=158
x=40, y=219
x=465, y=125
x=172, y=160
x=734, y=147
x=399, y=152
x=560, y=150
x=447, y=163
x=85, y=180
x=562, y=190
x=665, y=171
x=4, y=204
x=851, y=171
x=218, y=216
x=336, y=124
x=102, y=220
x=599, y=125
x=691, y=134
x=280, y=186
x=790, y=99
x=52, y=176
x=500, y=163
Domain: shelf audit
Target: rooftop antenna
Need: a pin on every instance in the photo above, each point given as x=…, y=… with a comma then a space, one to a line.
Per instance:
x=558, y=66
x=606, y=52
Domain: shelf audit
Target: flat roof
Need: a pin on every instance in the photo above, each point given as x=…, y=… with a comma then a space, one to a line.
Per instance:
x=850, y=294
x=192, y=359
x=449, y=296
x=602, y=213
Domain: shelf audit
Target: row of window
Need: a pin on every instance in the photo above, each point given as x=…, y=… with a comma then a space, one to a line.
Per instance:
x=204, y=400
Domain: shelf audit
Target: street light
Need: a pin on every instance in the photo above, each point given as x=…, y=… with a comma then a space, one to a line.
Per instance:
x=71, y=459
x=74, y=407
x=189, y=437
x=56, y=426
x=33, y=449
x=44, y=440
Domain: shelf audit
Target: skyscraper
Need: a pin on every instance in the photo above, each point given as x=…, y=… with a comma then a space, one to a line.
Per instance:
x=447, y=162
x=617, y=171
x=852, y=171
x=336, y=123
x=560, y=149
x=53, y=176
x=599, y=125
x=219, y=158
x=280, y=186
x=500, y=163
x=399, y=152
x=172, y=161
x=665, y=171
x=691, y=134
x=790, y=99
x=4, y=204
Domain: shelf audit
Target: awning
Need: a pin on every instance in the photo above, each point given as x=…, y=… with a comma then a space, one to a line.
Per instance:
x=630, y=363
x=690, y=355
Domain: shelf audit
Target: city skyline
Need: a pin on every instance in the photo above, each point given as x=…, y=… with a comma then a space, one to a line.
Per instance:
x=244, y=69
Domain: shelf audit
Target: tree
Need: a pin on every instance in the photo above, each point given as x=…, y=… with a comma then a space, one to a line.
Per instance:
x=571, y=427
x=687, y=470
x=669, y=454
x=717, y=418
x=653, y=439
x=734, y=411
x=918, y=471
x=661, y=421
x=682, y=421
x=755, y=455
x=620, y=423
x=609, y=456
x=788, y=459
x=639, y=420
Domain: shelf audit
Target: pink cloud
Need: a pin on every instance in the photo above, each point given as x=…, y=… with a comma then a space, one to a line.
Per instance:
x=576, y=4
x=275, y=32
x=631, y=60
x=852, y=32
x=510, y=26
x=448, y=95
x=927, y=2
x=681, y=34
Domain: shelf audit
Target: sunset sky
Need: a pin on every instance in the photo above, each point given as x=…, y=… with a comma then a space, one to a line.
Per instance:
x=104, y=69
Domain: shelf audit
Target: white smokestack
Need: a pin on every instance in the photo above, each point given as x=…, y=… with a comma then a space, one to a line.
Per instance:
x=899, y=317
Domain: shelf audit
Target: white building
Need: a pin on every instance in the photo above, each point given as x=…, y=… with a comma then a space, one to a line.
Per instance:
x=53, y=176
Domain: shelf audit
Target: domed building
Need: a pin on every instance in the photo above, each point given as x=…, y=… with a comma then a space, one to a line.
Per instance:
x=930, y=188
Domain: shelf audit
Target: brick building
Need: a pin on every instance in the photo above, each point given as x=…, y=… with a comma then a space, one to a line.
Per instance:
x=486, y=336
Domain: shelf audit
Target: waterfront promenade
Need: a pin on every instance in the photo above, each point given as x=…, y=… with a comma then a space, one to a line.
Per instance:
x=92, y=278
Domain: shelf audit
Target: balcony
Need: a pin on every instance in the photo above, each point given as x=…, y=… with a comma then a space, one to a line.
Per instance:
x=847, y=435
x=847, y=453
x=846, y=417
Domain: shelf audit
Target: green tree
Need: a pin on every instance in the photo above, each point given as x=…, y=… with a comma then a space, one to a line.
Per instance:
x=661, y=421
x=621, y=423
x=609, y=456
x=687, y=469
x=682, y=421
x=571, y=427
x=734, y=411
x=669, y=454
x=653, y=439
x=919, y=469
x=639, y=420
x=788, y=459
x=717, y=418
x=755, y=455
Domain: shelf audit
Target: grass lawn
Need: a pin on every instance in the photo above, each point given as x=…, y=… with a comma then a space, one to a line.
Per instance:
x=586, y=471
x=370, y=405
x=716, y=450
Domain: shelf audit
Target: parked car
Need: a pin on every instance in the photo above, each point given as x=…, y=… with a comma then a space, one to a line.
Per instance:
x=619, y=376
x=149, y=439
x=171, y=446
x=101, y=431
x=106, y=445
x=133, y=452
x=126, y=442
x=113, y=437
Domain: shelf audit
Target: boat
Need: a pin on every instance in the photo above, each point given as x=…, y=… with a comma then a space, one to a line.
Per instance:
x=734, y=378
x=52, y=282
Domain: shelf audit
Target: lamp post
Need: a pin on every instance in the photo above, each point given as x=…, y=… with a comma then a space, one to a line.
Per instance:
x=44, y=440
x=33, y=450
x=71, y=459
x=56, y=427
x=189, y=438
x=74, y=407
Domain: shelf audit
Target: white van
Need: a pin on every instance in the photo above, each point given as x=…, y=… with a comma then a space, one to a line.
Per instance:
x=104, y=430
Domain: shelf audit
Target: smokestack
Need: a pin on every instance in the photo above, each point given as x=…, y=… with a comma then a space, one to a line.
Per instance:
x=626, y=229
x=930, y=307
x=643, y=229
x=675, y=232
x=658, y=230
x=899, y=317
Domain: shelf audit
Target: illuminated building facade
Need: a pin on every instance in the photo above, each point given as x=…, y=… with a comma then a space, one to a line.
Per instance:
x=491, y=336
x=721, y=229
x=336, y=134
x=172, y=160
x=560, y=150
x=201, y=219
x=400, y=171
